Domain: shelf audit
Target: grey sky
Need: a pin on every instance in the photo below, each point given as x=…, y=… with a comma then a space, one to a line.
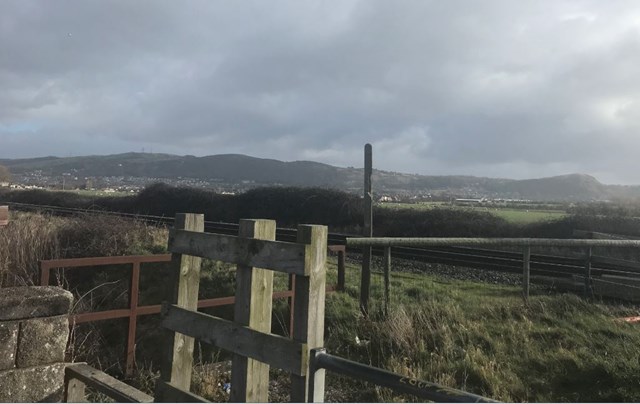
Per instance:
x=515, y=89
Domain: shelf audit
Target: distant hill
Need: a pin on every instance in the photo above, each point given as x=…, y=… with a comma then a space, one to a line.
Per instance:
x=237, y=168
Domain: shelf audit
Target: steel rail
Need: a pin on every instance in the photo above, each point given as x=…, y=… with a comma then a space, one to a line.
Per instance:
x=469, y=241
x=399, y=383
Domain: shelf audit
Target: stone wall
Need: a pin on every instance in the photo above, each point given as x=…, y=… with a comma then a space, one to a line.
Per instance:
x=34, y=329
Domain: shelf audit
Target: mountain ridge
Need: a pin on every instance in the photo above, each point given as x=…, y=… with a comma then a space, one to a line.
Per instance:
x=239, y=168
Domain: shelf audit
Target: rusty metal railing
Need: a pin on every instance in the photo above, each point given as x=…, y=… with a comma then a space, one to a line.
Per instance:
x=320, y=359
x=134, y=310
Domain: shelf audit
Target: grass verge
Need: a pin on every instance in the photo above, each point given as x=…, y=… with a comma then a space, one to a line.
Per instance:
x=483, y=338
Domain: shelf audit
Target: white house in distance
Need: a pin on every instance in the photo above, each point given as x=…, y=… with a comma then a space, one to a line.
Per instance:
x=469, y=201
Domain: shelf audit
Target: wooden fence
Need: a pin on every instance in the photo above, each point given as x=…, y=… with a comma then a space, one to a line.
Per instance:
x=134, y=310
x=248, y=337
x=257, y=255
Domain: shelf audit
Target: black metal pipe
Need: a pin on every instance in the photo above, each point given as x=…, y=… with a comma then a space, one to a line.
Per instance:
x=401, y=384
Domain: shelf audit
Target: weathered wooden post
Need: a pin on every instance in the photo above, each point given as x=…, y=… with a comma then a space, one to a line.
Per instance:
x=254, y=288
x=185, y=282
x=365, y=276
x=526, y=257
x=309, y=309
x=387, y=272
x=74, y=391
x=588, y=289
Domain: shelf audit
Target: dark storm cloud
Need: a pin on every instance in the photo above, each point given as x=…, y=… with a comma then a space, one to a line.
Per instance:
x=500, y=88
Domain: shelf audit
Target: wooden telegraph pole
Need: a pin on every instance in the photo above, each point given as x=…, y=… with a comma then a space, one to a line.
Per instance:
x=365, y=277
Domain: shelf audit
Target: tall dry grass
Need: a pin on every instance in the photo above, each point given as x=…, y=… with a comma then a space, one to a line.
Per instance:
x=32, y=237
x=27, y=239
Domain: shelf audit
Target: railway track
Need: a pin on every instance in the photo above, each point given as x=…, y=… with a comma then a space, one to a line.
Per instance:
x=488, y=259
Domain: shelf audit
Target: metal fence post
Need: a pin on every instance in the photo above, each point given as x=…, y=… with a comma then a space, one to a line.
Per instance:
x=526, y=266
x=134, y=287
x=387, y=272
x=588, y=290
x=341, y=269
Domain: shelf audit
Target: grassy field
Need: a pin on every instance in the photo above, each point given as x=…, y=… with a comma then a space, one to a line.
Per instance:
x=96, y=192
x=523, y=216
x=473, y=336
x=518, y=216
x=483, y=338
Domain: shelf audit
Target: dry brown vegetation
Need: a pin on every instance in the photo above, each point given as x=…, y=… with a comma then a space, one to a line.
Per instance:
x=27, y=239
x=30, y=238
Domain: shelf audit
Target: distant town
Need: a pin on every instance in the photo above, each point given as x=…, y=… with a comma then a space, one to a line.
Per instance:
x=70, y=181
x=116, y=184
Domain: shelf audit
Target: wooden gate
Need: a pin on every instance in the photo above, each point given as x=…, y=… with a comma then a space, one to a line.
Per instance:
x=249, y=338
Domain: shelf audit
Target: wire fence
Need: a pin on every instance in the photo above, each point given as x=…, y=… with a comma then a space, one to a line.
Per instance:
x=587, y=272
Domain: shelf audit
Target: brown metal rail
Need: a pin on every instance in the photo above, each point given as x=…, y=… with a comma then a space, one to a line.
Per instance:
x=133, y=311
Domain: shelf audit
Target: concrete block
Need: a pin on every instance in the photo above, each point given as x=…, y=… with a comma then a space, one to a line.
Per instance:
x=36, y=301
x=42, y=341
x=8, y=344
x=34, y=384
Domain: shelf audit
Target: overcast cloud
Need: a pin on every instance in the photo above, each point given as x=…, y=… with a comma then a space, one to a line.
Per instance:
x=515, y=89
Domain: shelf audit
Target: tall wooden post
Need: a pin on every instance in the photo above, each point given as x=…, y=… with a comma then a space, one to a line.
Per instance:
x=526, y=266
x=365, y=276
x=309, y=309
x=254, y=289
x=588, y=289
x=184, y=279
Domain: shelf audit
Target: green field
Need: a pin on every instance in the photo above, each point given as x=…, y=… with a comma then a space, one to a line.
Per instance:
x=518, y=216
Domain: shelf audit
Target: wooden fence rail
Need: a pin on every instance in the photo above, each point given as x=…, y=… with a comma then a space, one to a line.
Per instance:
x=78, y=376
